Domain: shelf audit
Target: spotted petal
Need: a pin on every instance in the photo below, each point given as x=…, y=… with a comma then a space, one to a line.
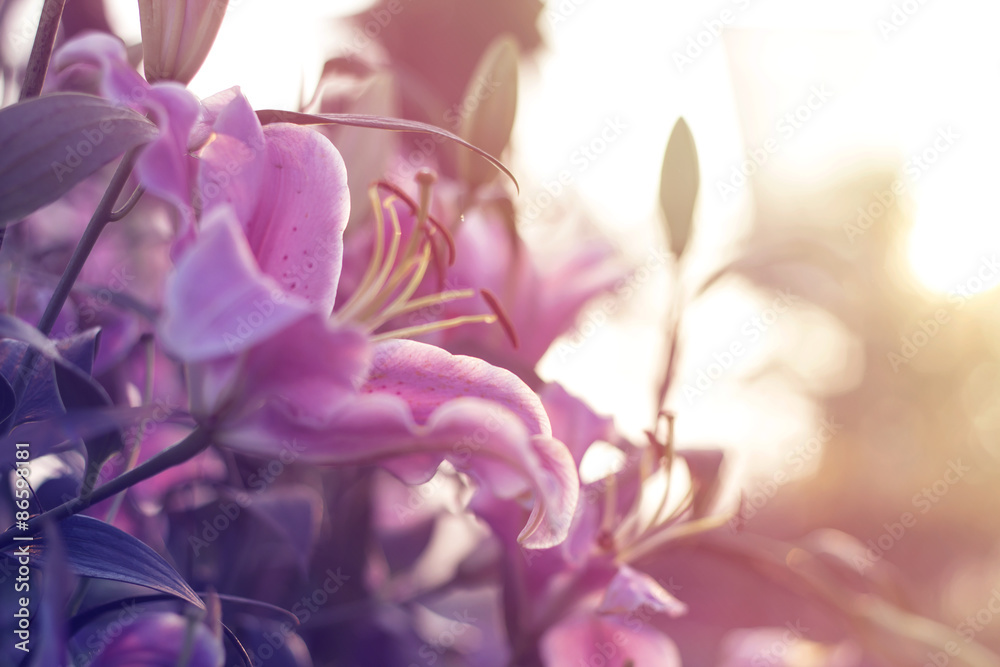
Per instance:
x=421, y=406
x=217, y=302
x=289, y=186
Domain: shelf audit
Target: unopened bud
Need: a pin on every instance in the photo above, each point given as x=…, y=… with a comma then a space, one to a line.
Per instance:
x=177, y=36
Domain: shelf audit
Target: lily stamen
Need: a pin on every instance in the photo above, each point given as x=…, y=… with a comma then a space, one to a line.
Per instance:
x=432, y=227
x=378, y=286
x=433, y=300
x=508, y=325
x=374, y=265
x=408, y=332
x=418, y=266
x=393, y=277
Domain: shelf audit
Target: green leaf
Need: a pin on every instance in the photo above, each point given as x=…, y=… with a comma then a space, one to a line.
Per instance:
x=488, y=108
x=679, y=182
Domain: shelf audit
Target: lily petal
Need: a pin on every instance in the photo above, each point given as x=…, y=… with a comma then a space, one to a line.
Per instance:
x=427, y=377
x=98, y=63
x=217, y=302
x=587, y=639
x=310, y=366
x=573, y=421
x=289, y=187
x=477, y=436
x=631, y=590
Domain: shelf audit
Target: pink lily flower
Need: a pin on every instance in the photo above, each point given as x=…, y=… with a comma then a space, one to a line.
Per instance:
x=266, y=362
x=587, y=596
x=97, y=63
x=541, y=294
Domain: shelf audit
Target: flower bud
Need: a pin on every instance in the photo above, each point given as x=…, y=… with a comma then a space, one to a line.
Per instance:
x=177, y=35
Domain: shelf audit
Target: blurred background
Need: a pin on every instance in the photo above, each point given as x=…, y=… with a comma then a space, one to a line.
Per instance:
x=840, y=335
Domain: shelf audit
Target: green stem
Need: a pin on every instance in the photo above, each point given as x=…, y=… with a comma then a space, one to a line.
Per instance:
x=196, y=442
x=102, y=216
x=41, y=50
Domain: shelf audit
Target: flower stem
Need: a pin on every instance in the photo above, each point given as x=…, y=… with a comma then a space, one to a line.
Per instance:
x=673, y=341
x=41, y=50
x=102, y=216
x=196, y=442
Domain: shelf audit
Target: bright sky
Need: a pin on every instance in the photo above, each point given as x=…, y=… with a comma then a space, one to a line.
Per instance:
x=892, y=93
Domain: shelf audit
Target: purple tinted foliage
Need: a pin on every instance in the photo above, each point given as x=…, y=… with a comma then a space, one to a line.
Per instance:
x=162, y=640
x=299, y=441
